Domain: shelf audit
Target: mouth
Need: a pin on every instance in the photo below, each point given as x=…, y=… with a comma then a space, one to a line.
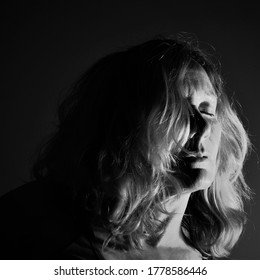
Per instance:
x=194, y=160
x=201, y=159
x=198, y=156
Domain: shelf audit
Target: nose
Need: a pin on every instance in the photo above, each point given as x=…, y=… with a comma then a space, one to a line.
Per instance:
x=199, y=126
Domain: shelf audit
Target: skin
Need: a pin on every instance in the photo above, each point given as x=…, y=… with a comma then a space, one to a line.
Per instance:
x=204, y=141
x=198, y=170
x=198, y=160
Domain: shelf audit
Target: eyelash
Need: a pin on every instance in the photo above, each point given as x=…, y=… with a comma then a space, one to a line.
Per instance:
x=207, y=113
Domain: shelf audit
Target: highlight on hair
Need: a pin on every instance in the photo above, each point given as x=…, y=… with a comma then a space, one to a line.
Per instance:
x=118, y=144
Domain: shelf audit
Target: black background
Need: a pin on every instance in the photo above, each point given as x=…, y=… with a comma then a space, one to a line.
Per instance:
x=47, y=46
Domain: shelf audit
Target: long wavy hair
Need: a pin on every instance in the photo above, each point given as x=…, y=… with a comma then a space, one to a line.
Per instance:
x=118, y=142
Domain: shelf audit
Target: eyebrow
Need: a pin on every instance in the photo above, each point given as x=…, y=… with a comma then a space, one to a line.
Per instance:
x=211, y=97
x=208, y=104
x=209, y=90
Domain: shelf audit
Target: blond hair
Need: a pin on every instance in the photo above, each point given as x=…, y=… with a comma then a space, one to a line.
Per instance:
x=118, y=144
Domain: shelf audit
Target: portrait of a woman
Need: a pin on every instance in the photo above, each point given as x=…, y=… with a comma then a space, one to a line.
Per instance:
x=146, y=163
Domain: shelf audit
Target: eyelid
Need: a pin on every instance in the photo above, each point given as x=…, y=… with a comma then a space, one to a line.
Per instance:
x=207, y=109
x=207, y=113
x=204, y=110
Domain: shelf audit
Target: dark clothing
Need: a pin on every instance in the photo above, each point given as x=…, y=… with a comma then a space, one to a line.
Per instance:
x=39, y=220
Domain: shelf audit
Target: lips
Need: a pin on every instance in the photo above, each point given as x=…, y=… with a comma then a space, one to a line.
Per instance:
x=199, y=162
x=198, y=157
x=201, y=159
x=196, y=160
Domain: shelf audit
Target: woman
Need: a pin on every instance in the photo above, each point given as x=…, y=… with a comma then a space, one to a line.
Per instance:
x=146, y=162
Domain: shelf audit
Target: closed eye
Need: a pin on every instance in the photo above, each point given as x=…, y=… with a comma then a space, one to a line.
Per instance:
x=207, y=113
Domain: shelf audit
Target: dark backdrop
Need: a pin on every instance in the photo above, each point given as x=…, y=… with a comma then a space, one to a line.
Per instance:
x=47, y=46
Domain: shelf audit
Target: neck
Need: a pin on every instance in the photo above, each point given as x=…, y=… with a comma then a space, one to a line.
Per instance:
x=173, y=236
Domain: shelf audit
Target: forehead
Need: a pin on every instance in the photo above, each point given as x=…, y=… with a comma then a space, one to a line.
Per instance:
x=197, y=83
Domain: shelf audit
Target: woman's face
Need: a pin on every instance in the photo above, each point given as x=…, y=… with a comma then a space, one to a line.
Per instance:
x=200, y=166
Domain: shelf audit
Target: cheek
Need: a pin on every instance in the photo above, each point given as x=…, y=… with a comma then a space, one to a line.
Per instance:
x=216, y=137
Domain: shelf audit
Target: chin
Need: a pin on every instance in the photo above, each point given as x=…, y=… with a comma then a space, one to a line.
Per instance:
x=203, y=180
x=198, y=179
